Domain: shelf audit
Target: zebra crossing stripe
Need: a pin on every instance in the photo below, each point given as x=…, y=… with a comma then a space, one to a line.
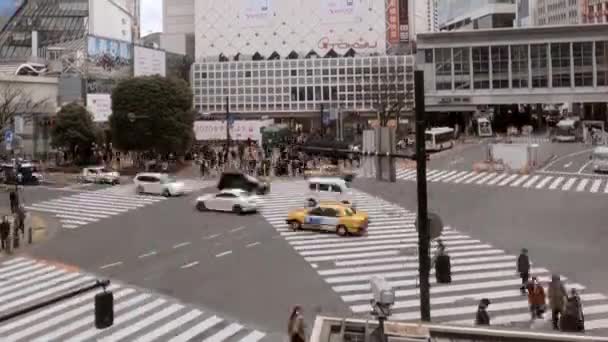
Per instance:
x=460, y=179
x=197, y=329
x=435, y=176
x=476, y=177
x=544, y=182
x=521, y=179
x=582, y=184
x=485, y=179
x=507, y=180
x=458, y=175
x=569, y=184
x=531, y=181
x=595, y=187
x=444, y=176
x=497, y=179
x=165, y=329
x=556, y=183
x=225, y=333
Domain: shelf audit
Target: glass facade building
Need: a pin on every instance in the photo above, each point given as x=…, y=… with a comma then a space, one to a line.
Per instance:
x=286, y=86
x=535, y=65
x=56, y=21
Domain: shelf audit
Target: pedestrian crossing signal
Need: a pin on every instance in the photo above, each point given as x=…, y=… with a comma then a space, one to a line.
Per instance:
x=104, y=310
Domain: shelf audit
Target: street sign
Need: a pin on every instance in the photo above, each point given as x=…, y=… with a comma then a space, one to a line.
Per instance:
x=8, y=136
x=230, y=120
x=435, y=225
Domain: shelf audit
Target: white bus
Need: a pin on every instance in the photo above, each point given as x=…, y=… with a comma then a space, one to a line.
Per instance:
x=439, y=138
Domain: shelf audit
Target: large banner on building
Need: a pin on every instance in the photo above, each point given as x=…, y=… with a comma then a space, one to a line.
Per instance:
x=392, y=22
x=240, y=130
x=338, y=7
x=100, y=105
x=148, y=62
x=109, y=58
x=404, y=21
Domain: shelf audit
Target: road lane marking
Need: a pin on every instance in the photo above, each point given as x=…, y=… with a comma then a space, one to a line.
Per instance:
x=584, y=167
x=476, y=177
x=508, y=179
x=485, y=179
x=460, y=179
x=596, y=185
x=564, y=157
x=556, y=183
x=449, y=174
x=111, y=265
x=212, y=236
x=497, y=179
x=314, y=265
x=433, y=177
x=544, y=182
x=252, y=244
x=531, y=181
x=520, y=180
x=237, y=229
x=569, y=184
x=582, y=184
x=183, y=244
x=192, y=264
x=567, y=165
x=223, y=254
x=149, y=254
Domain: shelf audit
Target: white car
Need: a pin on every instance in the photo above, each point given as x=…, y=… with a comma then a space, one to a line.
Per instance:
x=99, y=174
x=159, y=184
x=235, y=200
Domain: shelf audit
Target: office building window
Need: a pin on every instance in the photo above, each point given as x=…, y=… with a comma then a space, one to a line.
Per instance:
x=560, y=64
x=601, y=58
x=462, y=68
x=519, y=66
x=583, y=64
x=540, y=72
x=481, y=67
x=443, y=69
x=500, y=67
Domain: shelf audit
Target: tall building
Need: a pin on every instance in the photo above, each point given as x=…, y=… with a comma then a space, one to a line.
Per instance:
x=178, y=27
x=557, y=12
x=475, y=14
x=595, y=11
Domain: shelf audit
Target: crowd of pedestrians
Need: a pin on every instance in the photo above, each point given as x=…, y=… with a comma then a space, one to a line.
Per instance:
x=566, y=308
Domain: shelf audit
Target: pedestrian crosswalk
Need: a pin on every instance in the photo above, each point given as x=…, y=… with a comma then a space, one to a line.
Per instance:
x=139, y=315
x=190, y=185
x=479, y=270
x=87, y=207
x=537, y=181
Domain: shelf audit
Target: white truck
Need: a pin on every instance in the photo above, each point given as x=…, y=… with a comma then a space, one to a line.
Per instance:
x=100, y=175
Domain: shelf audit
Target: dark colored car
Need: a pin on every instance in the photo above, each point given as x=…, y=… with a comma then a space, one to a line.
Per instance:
x=243, y=181
x=27, y=174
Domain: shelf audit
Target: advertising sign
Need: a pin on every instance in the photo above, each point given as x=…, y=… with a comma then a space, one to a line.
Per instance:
x=392, y=20
x=100, y=105
x=404, y=28
x=337, y=7
x=255, y=9
x=148, y=62
x=240, y=130
x=108, y=57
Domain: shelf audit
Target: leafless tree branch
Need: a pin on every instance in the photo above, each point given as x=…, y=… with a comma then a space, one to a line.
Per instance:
x=15, y=100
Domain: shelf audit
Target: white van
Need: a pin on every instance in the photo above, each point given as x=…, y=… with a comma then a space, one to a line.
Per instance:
x=599, y=156
x=329, y=189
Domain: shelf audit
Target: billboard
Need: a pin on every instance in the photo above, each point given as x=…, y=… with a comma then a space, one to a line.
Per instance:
x=7, y=9
x=404, y=28
x=240, y=130
x=100, y=105
x=255, y=9
x=338, y=7
x=148, y=62
x=109, y=20
x=392, y=22
x=108, y=58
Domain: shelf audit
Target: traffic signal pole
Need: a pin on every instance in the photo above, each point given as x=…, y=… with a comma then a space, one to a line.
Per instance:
x=227, y=129
x=424, y=240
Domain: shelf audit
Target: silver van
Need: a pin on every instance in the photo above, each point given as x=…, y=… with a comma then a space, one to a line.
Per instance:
x=329, y=189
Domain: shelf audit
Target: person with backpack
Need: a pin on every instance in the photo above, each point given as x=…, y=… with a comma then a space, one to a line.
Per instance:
x=482, y=317
x=523, y=268
x=557, y=299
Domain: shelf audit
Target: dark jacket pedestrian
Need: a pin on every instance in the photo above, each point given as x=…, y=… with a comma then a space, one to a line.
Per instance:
x=557, y=299
x=482, y=317
x=523, y=268
x=296, y=328
x=13, y=201
x=536, y=299
x=5, y=228
x=573, y=319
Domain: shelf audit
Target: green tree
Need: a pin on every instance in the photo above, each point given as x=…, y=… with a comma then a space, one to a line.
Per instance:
x=153, y=114
x=74, y=131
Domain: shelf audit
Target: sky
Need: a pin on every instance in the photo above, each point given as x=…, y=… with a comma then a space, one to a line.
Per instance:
x=151, y=16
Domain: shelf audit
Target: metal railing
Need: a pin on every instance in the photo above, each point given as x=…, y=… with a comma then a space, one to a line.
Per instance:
x=335, y=329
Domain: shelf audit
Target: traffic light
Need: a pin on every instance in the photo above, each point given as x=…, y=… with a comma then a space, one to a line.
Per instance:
x=104, y=310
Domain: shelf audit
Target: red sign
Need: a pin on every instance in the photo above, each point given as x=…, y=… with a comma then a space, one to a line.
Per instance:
x=392, y=18
x=326, y=44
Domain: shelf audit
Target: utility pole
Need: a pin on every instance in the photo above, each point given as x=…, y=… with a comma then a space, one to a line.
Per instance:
x=227, y=129
x=424, y=240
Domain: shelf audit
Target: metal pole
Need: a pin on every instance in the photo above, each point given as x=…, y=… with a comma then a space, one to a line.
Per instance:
x=227, y=130
x=423, y=228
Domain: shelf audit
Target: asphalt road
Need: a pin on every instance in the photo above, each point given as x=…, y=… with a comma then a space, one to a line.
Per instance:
x=564, y=231
x=573, y=159
x=236, y=266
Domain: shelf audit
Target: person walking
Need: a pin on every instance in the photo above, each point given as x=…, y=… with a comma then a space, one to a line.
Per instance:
x=536, y=299
x=5, y=228
x=573, y=319
x=14, y=202
x=482, y=317
x=557, y=299
x=296, y=328
x=523, y=268
x=20, y=219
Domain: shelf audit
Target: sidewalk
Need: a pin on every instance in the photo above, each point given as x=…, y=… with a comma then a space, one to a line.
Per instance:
x=41, y=230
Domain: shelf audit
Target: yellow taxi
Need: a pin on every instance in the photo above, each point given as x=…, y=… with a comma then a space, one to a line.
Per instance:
x=331, y=217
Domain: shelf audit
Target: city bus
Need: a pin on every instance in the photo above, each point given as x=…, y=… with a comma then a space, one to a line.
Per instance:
x=439, y=138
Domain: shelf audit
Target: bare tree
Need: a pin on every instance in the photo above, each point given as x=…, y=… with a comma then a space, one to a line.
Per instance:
x=16, y=101
x=391, y=98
